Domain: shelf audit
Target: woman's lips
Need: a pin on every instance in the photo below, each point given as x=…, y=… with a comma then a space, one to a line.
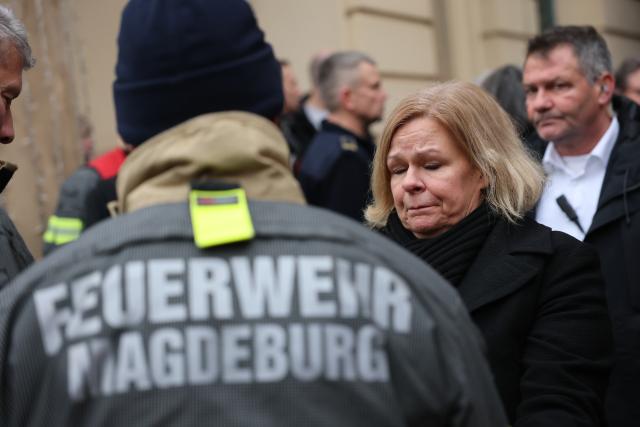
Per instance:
x=419, y=208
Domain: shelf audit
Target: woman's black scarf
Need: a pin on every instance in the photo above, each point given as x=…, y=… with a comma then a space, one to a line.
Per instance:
x=452, y=252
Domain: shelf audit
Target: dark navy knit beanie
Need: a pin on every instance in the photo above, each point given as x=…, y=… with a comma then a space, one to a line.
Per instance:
x=178, y=59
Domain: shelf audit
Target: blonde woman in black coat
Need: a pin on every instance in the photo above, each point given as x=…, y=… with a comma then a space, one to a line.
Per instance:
x=452, y=182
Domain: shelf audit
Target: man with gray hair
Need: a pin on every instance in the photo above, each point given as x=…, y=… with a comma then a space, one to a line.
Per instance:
x=628, y=79
x=15, y=54
x=335, y=169
x=589, y=140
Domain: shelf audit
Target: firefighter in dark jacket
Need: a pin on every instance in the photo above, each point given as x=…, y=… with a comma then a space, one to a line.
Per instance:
x=77, y=208
x=589, y=143
x=335, y=169
x=16, y=58
x=217, y=297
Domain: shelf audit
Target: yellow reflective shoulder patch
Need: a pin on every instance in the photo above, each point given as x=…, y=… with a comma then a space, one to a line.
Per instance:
x=62, y=230
x=219, y=217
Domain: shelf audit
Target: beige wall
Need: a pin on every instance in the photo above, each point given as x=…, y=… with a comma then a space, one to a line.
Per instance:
x=617, y=20
x=96, y=26
x=483, y=35
x=401, y=36
x=296, y=28
x=415, y=42
x=419, y=41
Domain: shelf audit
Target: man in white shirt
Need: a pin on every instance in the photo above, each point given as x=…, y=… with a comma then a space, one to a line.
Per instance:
x=570, y=108
x=590, y=148
x=578, y=178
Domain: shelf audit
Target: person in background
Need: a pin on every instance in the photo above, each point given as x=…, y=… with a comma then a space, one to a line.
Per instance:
x=452, y=183
x=217, y=297
x=628, y=79
x=313, y=105
x=16, y=58
x=335, y=169
x=290, y=88
x=83, y=198
x=505, y=84
x=300, y=126
x=589, y=142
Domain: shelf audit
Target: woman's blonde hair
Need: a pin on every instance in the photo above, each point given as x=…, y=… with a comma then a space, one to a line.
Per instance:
x=485, y=133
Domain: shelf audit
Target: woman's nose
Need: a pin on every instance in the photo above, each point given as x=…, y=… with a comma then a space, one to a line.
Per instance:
x=412, y=181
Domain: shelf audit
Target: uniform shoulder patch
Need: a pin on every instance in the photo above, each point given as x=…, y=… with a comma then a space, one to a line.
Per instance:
x=348, y=144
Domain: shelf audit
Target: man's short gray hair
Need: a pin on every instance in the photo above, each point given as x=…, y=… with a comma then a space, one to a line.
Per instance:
x=587, y=44
x=13, y=31
x=337, y=71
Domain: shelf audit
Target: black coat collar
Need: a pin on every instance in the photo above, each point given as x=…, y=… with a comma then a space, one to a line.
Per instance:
x=6, y=172
x=623, y=171
x=509, y=259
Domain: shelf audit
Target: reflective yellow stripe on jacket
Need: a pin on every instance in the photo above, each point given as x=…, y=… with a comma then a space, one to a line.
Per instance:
x=61, y=230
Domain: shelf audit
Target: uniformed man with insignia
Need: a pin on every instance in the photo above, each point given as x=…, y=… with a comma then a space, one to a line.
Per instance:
x=15, y=57
x=217, y=297
x=335, y=169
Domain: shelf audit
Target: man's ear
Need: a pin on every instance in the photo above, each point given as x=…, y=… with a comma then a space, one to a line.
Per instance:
x=606, y=85
x=346, y=99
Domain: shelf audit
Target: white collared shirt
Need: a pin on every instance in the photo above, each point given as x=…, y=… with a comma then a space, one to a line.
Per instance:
x=314, y=114
x=579, y=179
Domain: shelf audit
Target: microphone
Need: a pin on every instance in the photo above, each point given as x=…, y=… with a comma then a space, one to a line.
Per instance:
x=566, y=207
